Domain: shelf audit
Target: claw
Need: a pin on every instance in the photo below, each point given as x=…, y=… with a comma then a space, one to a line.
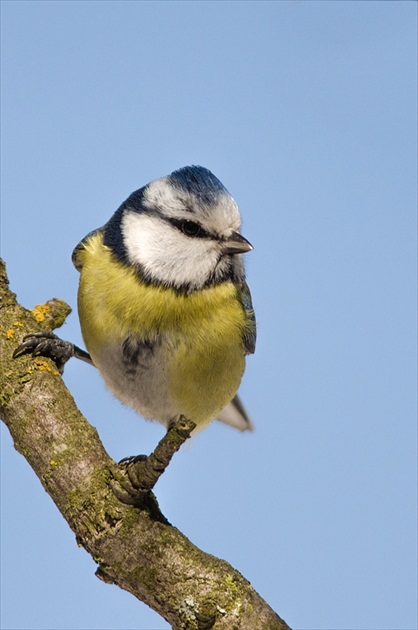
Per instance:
x=46, y=344
x=133, y=468
x=141, y=500
x=130, y=490
x=127, y=461
x=24, y=348
x=28, y=345
x=126, y=495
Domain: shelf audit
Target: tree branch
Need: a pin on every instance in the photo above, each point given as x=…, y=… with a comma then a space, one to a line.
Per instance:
x=135, y=548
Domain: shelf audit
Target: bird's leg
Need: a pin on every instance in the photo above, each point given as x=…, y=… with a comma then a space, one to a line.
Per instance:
x=143, y=472
x=47, y=344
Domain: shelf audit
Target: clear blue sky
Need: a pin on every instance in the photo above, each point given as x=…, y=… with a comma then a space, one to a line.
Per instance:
x=306, y=112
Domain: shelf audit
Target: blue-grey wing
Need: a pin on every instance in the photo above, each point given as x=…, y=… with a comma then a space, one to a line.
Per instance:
x=234, y=413
x=250, y=334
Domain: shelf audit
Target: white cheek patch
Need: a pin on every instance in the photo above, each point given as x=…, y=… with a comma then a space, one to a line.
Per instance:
x=165, y=254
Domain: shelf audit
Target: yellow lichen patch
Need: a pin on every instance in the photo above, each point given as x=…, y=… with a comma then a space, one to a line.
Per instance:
x=44, y=366
x=53, y=463
x=11, y=332
x=40, y=312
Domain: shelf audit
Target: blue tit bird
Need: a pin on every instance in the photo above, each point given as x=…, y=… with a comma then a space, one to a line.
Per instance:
x=165, y=312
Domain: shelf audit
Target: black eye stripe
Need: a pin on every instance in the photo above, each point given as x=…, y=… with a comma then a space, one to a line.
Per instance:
x=190, y=228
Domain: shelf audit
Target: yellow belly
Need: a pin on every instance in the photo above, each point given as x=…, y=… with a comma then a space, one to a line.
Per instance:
x=200, y=358
x=205, y=376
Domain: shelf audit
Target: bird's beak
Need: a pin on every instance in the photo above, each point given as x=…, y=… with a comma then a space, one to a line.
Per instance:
x=236, y=244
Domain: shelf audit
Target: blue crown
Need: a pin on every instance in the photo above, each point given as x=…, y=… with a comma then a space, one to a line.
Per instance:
x=198, y=181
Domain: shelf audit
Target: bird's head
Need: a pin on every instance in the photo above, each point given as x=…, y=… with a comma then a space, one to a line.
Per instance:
x=180, y=231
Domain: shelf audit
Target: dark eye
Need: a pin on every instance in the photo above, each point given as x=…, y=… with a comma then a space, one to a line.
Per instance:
x=190, y=228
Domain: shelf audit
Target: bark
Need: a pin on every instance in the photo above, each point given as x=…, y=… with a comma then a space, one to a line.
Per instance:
x=135, y=548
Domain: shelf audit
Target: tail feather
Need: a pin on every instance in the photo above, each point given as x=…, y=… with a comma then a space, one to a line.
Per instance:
x=235, y=415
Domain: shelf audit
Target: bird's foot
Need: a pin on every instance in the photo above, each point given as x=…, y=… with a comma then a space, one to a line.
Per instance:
x=142, y=472
x=134, y=467
x=46, y=344
x=131, y=490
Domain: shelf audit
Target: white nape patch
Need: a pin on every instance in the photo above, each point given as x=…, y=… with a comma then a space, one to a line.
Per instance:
x=161, y=195
x=220, y=217
x=166, y=254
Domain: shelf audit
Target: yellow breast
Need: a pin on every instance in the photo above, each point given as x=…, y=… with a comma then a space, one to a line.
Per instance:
x=201, y=332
